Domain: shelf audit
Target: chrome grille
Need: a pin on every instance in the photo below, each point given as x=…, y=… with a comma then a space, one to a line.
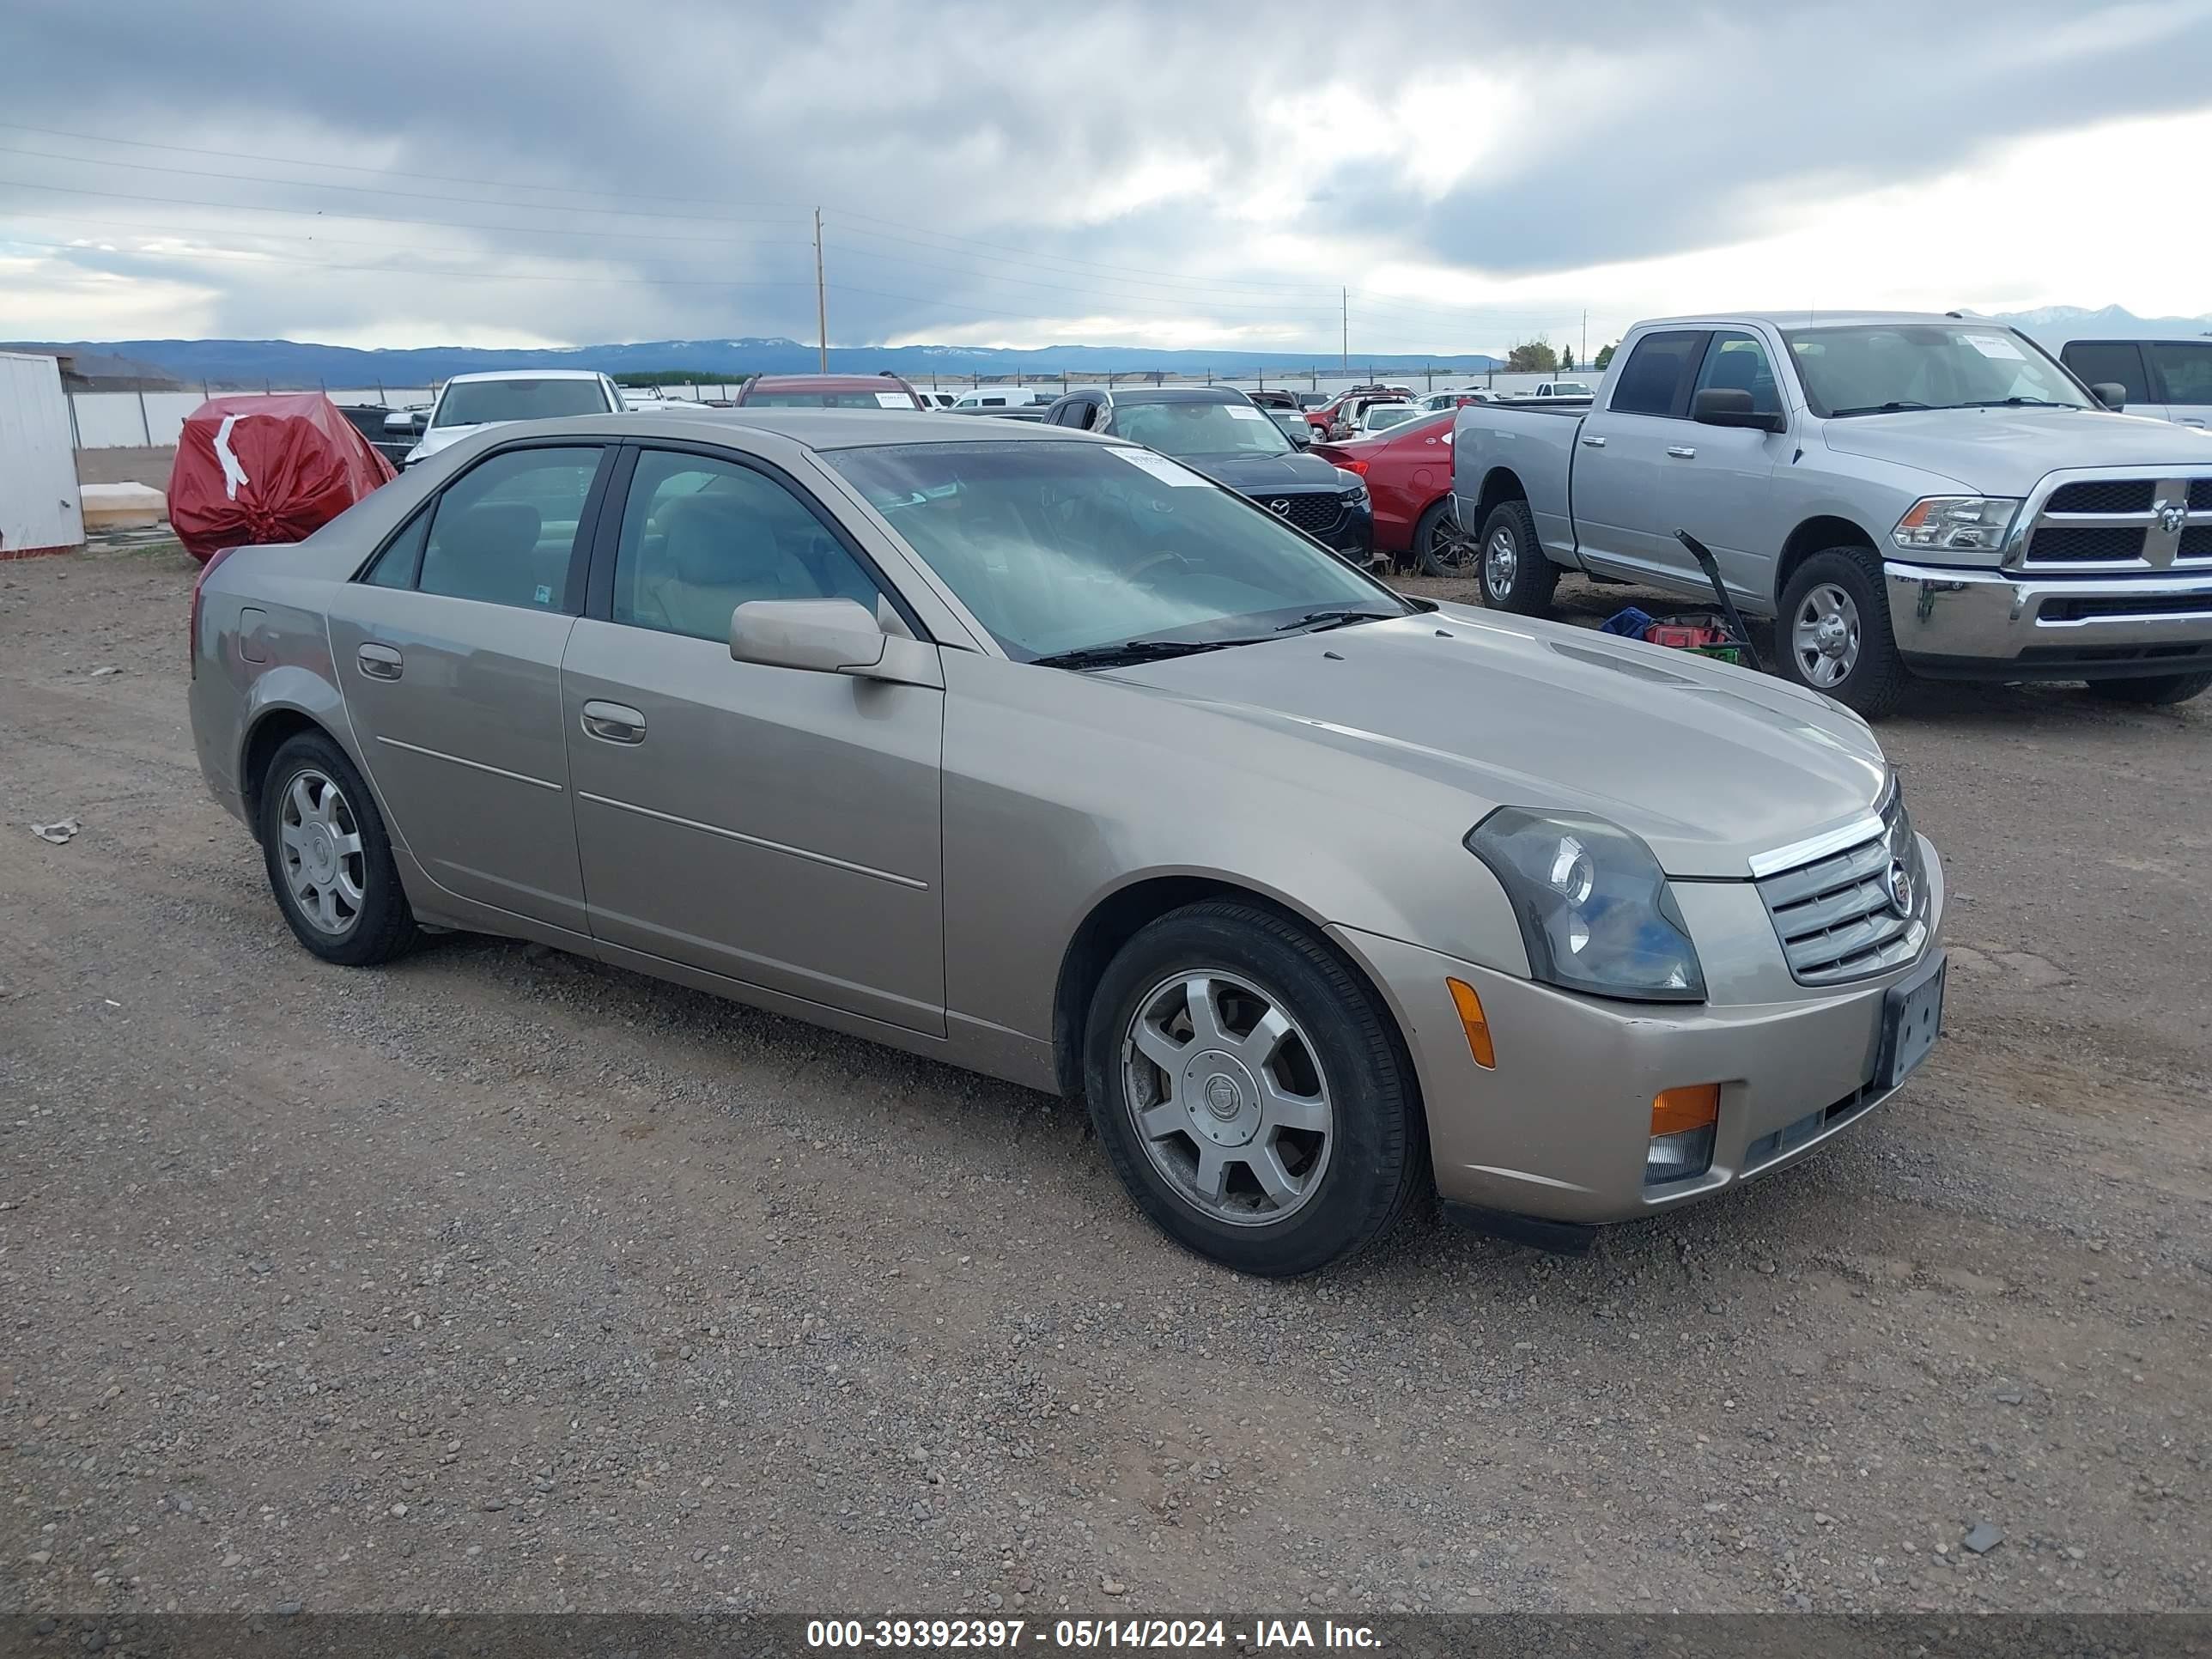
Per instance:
x=2101, y=526
x=1836, y=915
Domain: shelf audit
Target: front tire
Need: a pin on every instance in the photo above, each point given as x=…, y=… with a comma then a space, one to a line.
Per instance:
x=1516, y=576
x=2153, y=690
x=1251, y=1091
x=328, y=858
x=1833, y=632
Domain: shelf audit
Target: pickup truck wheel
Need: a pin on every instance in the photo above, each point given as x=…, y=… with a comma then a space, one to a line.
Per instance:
x=1516, y=576
x=1251, y=1092
x=330, y=862
x=2154, y=692
x=1439, y=547
x=1833, y=632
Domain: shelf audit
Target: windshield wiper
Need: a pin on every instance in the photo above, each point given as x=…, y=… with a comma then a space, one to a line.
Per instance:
x=1320, y=622
x=1106, y=656
x=1889, y=408
x=2018, y=402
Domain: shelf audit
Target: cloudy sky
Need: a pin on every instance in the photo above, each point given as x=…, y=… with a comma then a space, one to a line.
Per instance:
x=541, y=172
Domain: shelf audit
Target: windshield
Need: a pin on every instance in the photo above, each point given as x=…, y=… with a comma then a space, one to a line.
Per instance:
x=473, y=403
x=1878, y=368
x=1057, y=547
x=830, y=400
x=1570, y=389
x=1380, y=416
x=1189, y=430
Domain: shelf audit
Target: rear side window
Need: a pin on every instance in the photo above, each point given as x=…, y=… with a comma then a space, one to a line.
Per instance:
x=2118, y=362
x=2185, y=370
x=504, y=533
x=1652, y=381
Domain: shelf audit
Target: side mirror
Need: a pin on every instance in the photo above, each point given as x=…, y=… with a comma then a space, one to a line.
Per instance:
x=1301, y=435
x=1718, y=406
x=2111, y=394
x=830, y=636
x=826, y=635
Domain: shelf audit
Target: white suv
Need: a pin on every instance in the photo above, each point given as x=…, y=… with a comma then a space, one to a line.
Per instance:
x=469, y=401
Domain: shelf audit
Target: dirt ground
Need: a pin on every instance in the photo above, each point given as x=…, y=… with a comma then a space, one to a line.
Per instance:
x=502, y=1279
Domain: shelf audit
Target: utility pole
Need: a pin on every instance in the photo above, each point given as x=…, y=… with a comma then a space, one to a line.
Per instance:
x=1583, y=362
x=821, y=296
x=1344, y=322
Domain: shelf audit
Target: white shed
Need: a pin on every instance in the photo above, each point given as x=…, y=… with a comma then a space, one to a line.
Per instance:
x=39, y=508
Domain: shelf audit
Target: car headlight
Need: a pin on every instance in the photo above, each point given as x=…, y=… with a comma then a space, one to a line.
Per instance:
x=1974, y=522
x=1594, y=908
x=1351, y=489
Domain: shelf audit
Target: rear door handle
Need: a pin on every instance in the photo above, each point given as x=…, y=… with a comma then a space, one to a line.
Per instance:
x=1595, y=443
x=613, y=722
x=1682, y=451
x=380, y=662
x=2189, y=420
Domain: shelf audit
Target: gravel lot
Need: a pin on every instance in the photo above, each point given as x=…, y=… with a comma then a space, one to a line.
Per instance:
x=501, y=1280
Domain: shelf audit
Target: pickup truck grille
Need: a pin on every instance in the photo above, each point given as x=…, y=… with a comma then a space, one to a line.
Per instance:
x=1312, y=512
x=2107, y=525
x=2104, y=495
x=1838, y=917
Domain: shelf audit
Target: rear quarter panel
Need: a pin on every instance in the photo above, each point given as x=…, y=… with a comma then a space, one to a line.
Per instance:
x=1535, y=447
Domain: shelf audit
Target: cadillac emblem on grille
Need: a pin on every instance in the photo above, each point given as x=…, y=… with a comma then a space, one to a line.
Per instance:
x=1281, y=506
x=1898, y=882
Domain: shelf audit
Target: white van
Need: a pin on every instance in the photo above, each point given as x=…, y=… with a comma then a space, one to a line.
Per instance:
x=997, y=397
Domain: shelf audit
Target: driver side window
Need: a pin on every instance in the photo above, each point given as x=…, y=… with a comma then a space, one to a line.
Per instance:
x=1736, y=362
x=700, y=536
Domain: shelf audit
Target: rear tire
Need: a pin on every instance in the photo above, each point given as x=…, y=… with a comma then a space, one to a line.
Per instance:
x=1516, y=576
x=328, y=858
x=1269, y=1120
x=1438, y=548
x=1833, y=635
x=2153, y=690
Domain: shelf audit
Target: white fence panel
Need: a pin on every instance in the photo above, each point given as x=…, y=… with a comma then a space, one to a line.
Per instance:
x=39, y=507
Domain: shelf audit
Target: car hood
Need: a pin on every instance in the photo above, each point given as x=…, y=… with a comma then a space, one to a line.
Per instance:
x=1252, y=475
x=1709, y=764
x=2006, y=452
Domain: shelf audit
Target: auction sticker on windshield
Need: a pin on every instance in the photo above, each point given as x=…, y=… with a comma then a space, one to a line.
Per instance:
x=1162, y=468
x=1238, y=412
x=1994, y=345
x=894, y=400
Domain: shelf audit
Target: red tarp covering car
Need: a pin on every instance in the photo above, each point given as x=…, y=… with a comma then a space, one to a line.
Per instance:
x=266, y=469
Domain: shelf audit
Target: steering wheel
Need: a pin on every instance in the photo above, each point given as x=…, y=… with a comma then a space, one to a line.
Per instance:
x=1136, y=572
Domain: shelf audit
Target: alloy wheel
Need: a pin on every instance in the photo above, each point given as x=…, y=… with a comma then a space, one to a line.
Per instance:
x=321, y=853
x=1501, y=560
x=1825, y=636
x=1228, y=1097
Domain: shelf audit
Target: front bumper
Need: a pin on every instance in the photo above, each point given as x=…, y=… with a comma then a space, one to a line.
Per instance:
x=1985, y=624
x=1560, y=1128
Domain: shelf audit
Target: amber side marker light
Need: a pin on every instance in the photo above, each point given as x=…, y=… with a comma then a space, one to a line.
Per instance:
x=1475, y=1021
x=1682, y=1124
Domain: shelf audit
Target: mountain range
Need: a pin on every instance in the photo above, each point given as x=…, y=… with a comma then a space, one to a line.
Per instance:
x=299, y=363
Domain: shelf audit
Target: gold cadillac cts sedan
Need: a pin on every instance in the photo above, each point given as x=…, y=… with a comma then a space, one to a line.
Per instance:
x=1042, y=754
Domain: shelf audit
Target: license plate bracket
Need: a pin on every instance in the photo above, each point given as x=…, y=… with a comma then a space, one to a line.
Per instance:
x=1912, y=1020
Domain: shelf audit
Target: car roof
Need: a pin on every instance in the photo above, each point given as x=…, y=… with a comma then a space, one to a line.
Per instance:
x=813, y=428
x=1801, y=318
x=826, y=383
x=524, y=374
x=1172, y=394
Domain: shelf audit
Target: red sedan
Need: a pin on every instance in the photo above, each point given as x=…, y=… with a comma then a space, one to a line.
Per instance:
x=1408, y=470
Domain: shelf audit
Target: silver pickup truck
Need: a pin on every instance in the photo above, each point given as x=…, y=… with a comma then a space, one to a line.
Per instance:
x=1904, y=494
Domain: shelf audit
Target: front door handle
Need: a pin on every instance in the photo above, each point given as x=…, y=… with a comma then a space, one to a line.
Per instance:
x=2188, y=420
x=613, y=722
x=380, y=662
x=1682, y=451
x=1595, y=443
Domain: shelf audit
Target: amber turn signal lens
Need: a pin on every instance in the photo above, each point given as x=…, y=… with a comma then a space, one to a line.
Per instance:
x=1476, y=1024
x=1676, y=1111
